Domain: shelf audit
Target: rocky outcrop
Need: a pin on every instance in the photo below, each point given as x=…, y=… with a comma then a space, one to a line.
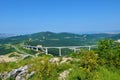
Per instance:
x=63, y=75
x=54, y=60
x=60, y=60
x=17, y=74
x=64, y=59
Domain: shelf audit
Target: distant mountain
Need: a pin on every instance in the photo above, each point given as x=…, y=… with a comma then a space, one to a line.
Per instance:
x=4, y=35
x=116, y=37
x=57, y=39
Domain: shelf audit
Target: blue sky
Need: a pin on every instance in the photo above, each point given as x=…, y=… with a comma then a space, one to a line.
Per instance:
x=77, y=16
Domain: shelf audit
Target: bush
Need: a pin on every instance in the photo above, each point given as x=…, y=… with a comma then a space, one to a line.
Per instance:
x=44, y=69
x=89, y=64
x=109, y=52
x=87, y=67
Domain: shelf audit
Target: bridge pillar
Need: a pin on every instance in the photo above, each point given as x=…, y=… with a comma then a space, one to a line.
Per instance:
x=46, y=51
x=89, y=48
x=37, y=49
x=31, y=48
x=74, y=50
x=60, y=52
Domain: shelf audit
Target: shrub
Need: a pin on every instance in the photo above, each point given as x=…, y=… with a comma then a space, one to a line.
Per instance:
x=89, y=64
x=109, y=52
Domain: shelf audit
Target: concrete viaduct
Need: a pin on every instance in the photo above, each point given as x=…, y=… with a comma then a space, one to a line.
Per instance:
x=75, y=48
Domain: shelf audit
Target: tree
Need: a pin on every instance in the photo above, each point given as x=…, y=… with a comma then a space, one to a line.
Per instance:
x=109, y=52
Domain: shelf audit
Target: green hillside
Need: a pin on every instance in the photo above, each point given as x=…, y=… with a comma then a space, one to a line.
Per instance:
x=57, y=39
x=8, y=48
x=51, y=39
x=5, y=49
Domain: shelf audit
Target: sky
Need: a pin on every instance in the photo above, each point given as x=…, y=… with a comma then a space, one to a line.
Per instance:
x=76, y=16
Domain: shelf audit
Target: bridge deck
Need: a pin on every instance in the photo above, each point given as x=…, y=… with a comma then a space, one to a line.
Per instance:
x=70, y=47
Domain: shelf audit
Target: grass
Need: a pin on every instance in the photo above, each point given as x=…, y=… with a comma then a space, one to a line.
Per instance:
x=106, y=74
x=50, y=71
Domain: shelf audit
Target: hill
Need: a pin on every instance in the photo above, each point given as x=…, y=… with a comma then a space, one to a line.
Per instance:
x=116, y=37
x=4, y=35
x=57, y=39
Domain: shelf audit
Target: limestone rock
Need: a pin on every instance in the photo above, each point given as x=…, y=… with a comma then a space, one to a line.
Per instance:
x=16, y=74
x=64, y=74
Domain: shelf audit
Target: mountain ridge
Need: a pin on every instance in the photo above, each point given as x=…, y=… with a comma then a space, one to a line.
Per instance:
x=58, y=39
x=6, y=35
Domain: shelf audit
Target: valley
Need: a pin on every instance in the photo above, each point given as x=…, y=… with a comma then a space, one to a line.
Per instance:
x=60, y=56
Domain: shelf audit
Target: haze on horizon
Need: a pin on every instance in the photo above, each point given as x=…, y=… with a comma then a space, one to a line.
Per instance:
x=77, y=16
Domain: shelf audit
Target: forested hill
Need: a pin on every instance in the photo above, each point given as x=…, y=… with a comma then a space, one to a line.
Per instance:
x=116, y=37
x=57, y=39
